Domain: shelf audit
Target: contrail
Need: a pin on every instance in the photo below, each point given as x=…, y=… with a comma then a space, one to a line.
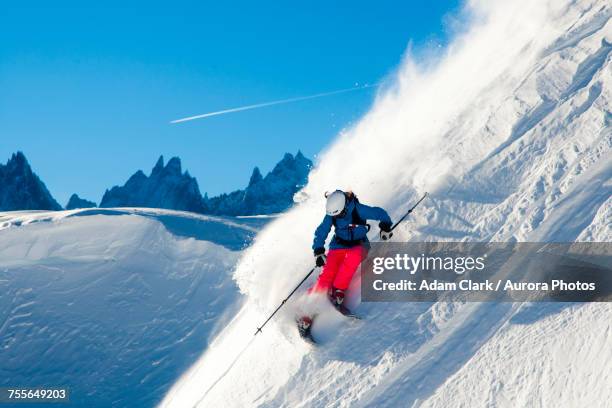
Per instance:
x=279, y=102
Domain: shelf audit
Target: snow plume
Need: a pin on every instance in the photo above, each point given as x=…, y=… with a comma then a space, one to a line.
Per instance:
x=498, y=128
x=408, y=143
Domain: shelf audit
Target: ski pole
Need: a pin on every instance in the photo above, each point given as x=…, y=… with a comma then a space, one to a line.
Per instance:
x=285, y=301
x=252, y=339
x=409, y=211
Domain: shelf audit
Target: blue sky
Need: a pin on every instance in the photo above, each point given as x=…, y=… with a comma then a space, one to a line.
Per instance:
x=88, y=91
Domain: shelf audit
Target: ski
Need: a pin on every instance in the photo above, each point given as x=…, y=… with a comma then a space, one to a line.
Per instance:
x=309, y=339
x=343, y=310
x=349, y=314
x=353, y=316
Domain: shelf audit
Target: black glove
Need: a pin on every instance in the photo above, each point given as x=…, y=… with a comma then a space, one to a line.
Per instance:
x=320, y=257
x=385, y=230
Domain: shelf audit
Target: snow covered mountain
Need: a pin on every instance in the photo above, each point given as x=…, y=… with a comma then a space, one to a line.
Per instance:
x=75, y=202
x=21, y=189
x=510, y=131
x=166, y=187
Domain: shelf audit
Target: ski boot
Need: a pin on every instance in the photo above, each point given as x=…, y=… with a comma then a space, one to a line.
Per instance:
x=304, y=324
x=337, y=299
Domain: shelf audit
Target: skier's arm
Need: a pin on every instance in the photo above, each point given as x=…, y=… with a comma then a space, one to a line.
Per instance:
x=321, y=233
x=374, y=213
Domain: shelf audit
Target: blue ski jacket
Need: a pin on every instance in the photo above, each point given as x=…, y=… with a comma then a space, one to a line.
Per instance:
x=348, y=230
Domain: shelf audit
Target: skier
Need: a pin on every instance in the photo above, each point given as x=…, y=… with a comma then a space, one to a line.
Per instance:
x=348, y=248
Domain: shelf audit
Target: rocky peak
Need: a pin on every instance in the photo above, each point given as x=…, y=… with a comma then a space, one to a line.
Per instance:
x=265, y=195
x=166, y=187
x=77, y=202
x=174, y=167
x=18, y=161
x=256, y=177
x=159, y=166
x=21, y=189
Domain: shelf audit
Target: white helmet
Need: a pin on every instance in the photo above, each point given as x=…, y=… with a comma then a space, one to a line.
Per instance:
x=335, y=203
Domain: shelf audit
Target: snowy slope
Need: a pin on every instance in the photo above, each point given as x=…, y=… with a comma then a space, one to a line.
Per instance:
x=572, y=367
x=113, y=303
x=510, y=130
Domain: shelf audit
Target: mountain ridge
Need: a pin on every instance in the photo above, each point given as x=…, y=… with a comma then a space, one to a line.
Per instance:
x=167, y=186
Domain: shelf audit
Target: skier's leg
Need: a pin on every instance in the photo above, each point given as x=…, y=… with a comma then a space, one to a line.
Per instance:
x=343, y=278
x=354, y=257
x=335, y=258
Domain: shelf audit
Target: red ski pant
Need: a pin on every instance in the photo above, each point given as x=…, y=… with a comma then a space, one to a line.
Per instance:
x=339, y=269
